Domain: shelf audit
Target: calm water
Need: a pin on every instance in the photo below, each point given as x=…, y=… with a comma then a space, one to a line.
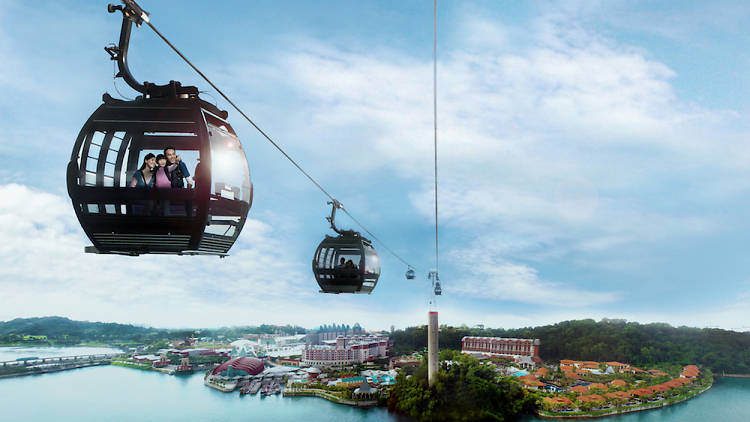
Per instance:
x=727, y=401
x=111, y=393
x=117, y=394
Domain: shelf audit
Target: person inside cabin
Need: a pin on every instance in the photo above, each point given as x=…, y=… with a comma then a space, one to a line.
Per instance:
x=163, y=180
x=163, y=172
x=180, y=175
x=143, y=178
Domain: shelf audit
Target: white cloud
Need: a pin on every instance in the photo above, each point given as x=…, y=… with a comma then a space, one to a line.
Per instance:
x=483, y=275
x=556, y=143
x=43, y=269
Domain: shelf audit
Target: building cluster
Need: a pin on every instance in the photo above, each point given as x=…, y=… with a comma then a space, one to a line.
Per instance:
x=158, y=359
x=332, y=332
x=345, y=350
x=524, y=352
x=273, y=345
x=575, y=368
x=597, y=394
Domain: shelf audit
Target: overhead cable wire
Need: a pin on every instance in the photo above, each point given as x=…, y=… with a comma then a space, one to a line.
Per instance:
x=278, y=147
x=434, y=116
x=376, y=238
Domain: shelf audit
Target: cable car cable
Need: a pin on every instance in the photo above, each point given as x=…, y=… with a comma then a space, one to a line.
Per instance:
x=434, y=115
x=144, y=17
x=436, y=279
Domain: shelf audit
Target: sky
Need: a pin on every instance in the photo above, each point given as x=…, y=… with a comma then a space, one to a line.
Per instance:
x=593, y=159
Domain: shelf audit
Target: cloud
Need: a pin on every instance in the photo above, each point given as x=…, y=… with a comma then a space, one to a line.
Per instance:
x=559, y=142
x=484, y=275
x=42, y=266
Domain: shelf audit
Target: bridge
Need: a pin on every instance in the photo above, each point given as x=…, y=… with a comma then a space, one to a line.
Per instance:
x=31, y=366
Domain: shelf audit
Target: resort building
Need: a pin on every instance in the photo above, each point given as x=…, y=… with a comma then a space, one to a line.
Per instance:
x=690, y=371
x=226, y=376
x=403, y=362
x=525, y=352
x=241, y=367
x=349, y=350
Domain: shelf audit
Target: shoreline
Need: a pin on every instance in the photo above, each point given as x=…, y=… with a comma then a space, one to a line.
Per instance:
x=733, y=375
x=327, y=396
x=659, y=405
x=51, y=370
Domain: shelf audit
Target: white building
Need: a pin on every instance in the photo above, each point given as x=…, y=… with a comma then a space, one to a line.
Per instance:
x=243, y=348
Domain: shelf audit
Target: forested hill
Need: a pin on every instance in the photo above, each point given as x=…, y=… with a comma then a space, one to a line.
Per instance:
x=611, y=340
x=59, y=330
x=63, y=331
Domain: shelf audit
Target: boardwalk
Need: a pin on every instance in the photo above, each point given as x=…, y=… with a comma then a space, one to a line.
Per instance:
x=315, y=392
x=15, y=368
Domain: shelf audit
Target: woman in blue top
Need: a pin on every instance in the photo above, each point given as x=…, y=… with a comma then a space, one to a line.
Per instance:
x=144, y=177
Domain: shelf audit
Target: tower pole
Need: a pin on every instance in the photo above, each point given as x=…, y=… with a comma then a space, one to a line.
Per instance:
x=432, y=347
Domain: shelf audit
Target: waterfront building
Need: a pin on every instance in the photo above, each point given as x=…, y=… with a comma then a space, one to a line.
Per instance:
x=346, y=350
x=240, y=367
x=226, y=376
x=151, y=359
x=525, y=352
x=365, y=392
x=690, y=371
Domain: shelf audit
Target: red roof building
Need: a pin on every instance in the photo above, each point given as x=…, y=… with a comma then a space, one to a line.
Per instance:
x=591, y=398
x=572, y=375
x=239, y=367
x=524, y=351
x=618, y=383
x=690, y=371
x=580, y=389
x=599, y=386
x=542, y=372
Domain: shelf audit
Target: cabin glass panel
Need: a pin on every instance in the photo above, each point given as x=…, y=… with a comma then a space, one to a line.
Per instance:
x=231, y=190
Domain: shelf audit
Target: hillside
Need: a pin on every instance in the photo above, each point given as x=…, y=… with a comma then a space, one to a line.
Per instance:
x=64, y=331
x=640, y=344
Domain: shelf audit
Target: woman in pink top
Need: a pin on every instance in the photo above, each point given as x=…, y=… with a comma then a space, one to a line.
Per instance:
x=164, y=172
x=163, y=180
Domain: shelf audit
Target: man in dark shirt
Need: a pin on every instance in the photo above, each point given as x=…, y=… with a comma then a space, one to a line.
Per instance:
x=179, y=175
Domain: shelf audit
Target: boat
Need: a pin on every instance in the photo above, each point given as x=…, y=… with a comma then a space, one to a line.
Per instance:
x=266, y=390
x=254, y=387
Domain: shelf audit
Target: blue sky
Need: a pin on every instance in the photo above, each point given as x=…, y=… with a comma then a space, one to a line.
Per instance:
x=593, y=159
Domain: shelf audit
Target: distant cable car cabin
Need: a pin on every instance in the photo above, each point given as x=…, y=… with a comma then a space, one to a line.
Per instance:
x=410, y=274
x=110, y=149
x=346, y=263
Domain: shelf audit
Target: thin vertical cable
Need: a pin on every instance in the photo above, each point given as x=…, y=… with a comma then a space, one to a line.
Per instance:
x=434, y=116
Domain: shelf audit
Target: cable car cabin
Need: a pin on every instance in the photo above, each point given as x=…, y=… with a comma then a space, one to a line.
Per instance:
x=346, y=264
x=204, y=218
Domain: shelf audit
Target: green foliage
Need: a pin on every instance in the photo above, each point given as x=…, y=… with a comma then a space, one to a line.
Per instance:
x=155, y=347
x=608, y=340
x=63, y=331
x=465, y=391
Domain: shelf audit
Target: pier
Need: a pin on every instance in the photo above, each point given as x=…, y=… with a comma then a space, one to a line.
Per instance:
x=34, y=366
